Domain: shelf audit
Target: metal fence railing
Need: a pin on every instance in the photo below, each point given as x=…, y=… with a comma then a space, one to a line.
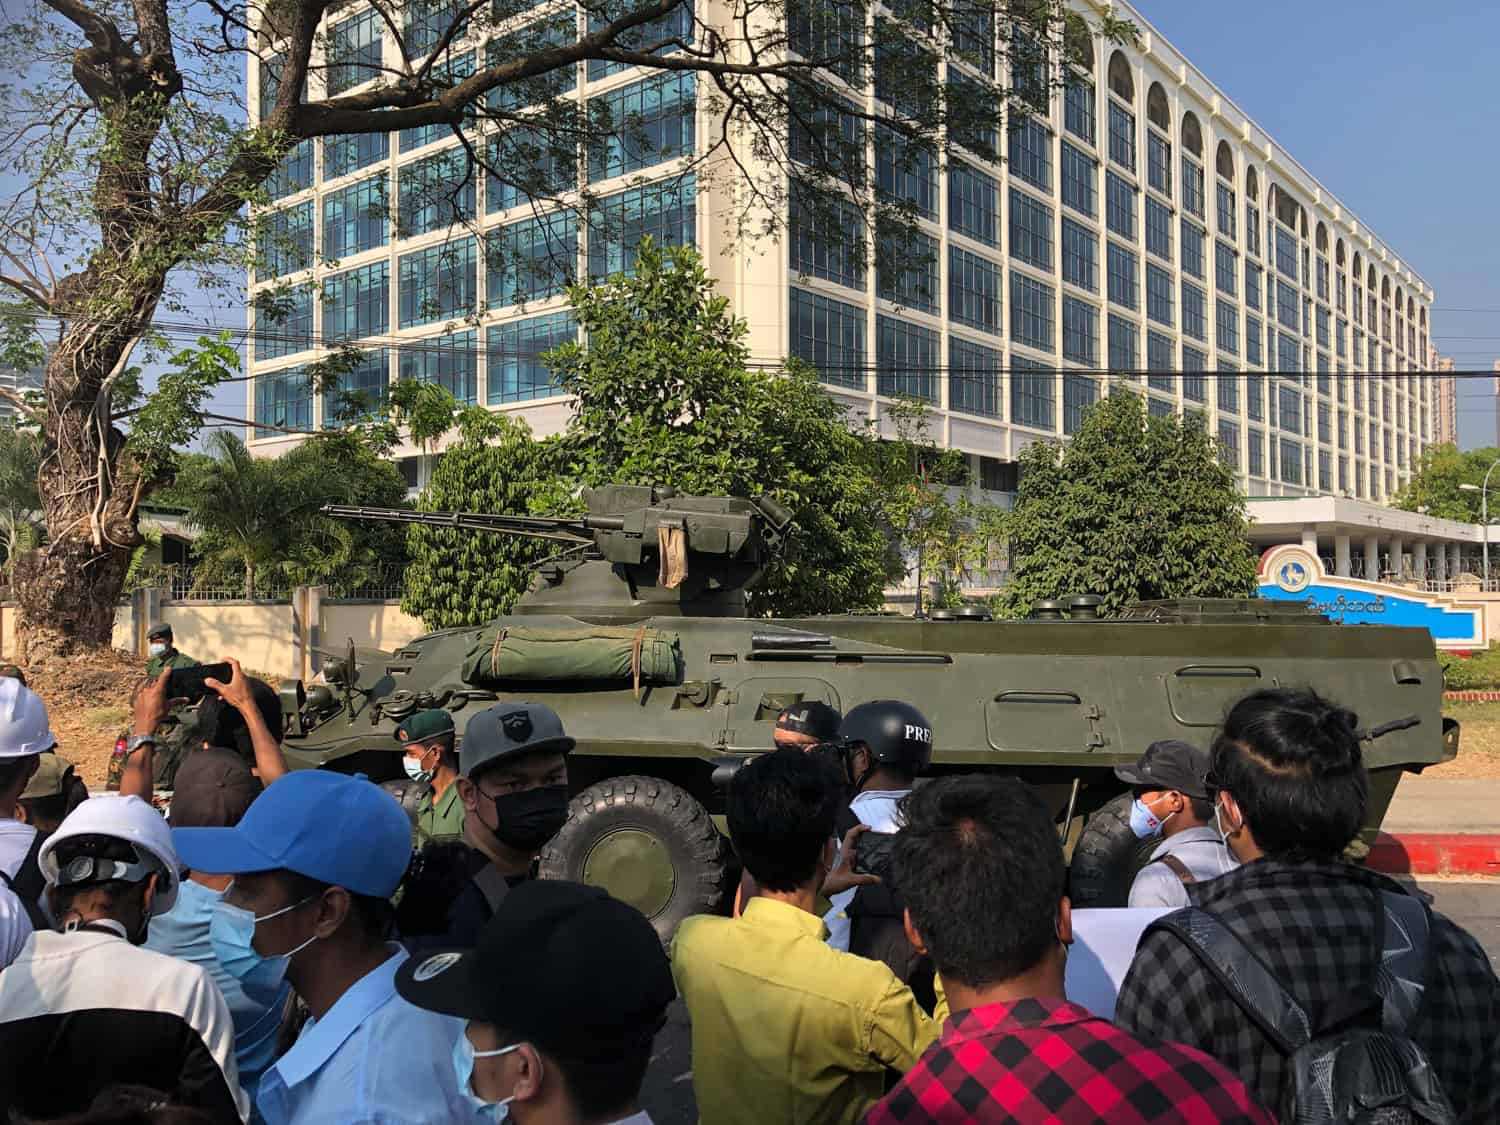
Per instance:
x=387, y=583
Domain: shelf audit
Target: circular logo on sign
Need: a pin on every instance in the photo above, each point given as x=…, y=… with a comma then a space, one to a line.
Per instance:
x=1293, y=576
x=437, y=963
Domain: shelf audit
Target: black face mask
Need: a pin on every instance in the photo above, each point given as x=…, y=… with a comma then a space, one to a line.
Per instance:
x=527, y=820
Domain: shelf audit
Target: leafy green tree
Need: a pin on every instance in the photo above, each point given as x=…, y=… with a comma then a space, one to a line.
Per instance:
x=940, y=530
x=125, y=129
x=1437, y=485
x=1132, y=508
x=258, y=518
x=20, y=451
x=457, y=578
x=664, y=397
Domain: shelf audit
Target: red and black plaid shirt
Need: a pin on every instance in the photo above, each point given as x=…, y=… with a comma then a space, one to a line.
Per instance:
x=1051, y=1061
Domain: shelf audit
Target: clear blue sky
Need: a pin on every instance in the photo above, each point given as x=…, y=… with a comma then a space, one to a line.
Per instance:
x=1396, y=111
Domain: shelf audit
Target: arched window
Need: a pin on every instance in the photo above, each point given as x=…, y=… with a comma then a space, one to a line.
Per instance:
x=1156, y=108
x=1370, y=281
x=1224, y=161
x=1192, y=135
x=1303, y=214
x=1424, y=318
x=1078, y=46
x=1385, y=288
x=1358, y=268
x=1121, y=81
x=1252, y=185
x=1338, y=253
x=1411, y=308
x=1322, y=238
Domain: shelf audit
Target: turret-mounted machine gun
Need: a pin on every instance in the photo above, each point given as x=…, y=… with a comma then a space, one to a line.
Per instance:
x=639, y=552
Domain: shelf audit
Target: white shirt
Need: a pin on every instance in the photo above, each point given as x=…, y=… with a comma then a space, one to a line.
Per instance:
x=15, y=842
x=879, y=809
x=15, y=926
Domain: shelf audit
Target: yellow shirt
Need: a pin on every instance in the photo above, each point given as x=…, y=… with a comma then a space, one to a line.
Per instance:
x=786, y=1030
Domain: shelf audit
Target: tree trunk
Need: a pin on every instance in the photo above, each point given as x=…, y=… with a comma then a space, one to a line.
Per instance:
x=89, y=484
x=250, y=581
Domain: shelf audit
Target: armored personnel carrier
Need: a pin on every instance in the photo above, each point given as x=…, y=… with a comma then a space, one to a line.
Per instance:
x=637, y=635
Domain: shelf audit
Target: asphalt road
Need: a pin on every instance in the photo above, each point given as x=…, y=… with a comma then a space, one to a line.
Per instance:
x=668, y=1093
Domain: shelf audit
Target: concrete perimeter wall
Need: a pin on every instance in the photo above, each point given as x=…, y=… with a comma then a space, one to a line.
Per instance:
x=276, y=638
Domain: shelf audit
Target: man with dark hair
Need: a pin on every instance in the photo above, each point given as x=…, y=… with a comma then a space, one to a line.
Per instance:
x=786, y=1028
x=564, y=995
x=162, y=651
x=214, y=789
x=85, y=1007
x=427, y=744
x=982, y=872
x=805, y=725
x=1170, y=785
x=1291, y=788
x=315, y=860
x=514, y=789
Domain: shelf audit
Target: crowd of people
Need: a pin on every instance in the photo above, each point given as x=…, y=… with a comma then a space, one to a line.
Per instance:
x=297, y=947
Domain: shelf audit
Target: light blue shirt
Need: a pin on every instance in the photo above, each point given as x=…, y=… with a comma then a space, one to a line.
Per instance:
x=373, y=1059
x=182, y=932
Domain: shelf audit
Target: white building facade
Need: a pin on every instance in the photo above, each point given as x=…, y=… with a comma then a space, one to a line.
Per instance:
x=1144, y=233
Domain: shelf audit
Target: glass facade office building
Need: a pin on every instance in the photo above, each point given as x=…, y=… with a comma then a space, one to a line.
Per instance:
x=1140, y=232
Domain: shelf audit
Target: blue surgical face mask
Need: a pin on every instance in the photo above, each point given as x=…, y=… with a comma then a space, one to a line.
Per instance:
x=414, y=770
x=463, y=1069
x=1144, y=823
x=231, y=932
x=156, y=648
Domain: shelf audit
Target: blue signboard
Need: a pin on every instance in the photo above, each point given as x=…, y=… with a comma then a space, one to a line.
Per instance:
x=1293, y=573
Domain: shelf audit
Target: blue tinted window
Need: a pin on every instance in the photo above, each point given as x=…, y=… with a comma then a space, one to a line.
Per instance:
x=1158, y=230
x=1080, y=256
x=357, y=303
x=1078, y=108
x=437, y=283
x=907, y=268
x=642, y=124
x=516, y=370
x=283, y=324
x=534, y=163
x=294, y=173
x=1080, y=331
x=1124, y=345
x=1124, y=277
x=355, y=218
x=905, y=171
x=973, y=203
x=1031, y=313
x=830, y=336
x=1033, y=393
x=1079, y=393
x=447, y=73
x=1079, y=176
x=1121, y=136
x=283, y=401
x=354, y=51
x=452, y=362
x=360, y=392
x=1031, y=153
x=825, y=237
x=1119, y=206
x=906, y=359
x=973, y=378
x=617, y=223
x=973, y=290
x=1030, y=230
x=285, y=240
x=1194, y=321
x=531, y=259
x=434, y=193
x=1227, y=327
x=676, y=24
x=1159, y=295
x=348, y=152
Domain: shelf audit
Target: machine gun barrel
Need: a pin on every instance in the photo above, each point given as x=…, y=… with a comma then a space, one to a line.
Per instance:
x=577, y=531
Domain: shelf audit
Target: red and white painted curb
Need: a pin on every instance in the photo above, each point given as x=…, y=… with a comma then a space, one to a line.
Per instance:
x=1471, y=697
x=1458, y=854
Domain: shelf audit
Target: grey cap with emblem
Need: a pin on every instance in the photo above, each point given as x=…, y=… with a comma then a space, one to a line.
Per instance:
x=508, y=730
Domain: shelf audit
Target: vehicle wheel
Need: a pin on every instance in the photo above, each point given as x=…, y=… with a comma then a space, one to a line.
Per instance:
x=648, y=843
x=1108, y=857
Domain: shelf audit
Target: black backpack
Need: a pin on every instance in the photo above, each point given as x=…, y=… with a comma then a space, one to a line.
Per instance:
x=1358, y=1064
x=28, y=884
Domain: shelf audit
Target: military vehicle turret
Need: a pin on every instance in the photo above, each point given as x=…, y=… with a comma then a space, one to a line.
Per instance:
x=635, y=633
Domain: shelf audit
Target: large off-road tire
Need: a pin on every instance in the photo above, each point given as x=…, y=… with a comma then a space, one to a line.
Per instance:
x=648, y=843
x=1108, y=857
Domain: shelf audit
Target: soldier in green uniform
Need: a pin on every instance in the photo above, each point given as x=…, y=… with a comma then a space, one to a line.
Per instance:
x=163, y=652
x=427, y=738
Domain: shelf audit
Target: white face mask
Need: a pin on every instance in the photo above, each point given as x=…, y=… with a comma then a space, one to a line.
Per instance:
x=157, y=648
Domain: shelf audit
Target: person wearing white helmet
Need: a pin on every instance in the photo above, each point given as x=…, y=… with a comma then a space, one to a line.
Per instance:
x=86, y=1007
x=25, y=735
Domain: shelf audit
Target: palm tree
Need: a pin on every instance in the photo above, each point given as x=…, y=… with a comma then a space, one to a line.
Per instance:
x=261, y=513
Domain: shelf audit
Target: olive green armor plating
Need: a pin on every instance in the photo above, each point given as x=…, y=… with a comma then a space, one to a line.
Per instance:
x=635, y=633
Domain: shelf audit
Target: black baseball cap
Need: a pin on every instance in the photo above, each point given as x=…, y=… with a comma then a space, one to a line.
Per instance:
x=1169, y=764
x=812, y=717
x=563, y=966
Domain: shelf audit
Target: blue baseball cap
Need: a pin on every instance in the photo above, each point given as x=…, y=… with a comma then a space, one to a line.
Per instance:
x=340, y=830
